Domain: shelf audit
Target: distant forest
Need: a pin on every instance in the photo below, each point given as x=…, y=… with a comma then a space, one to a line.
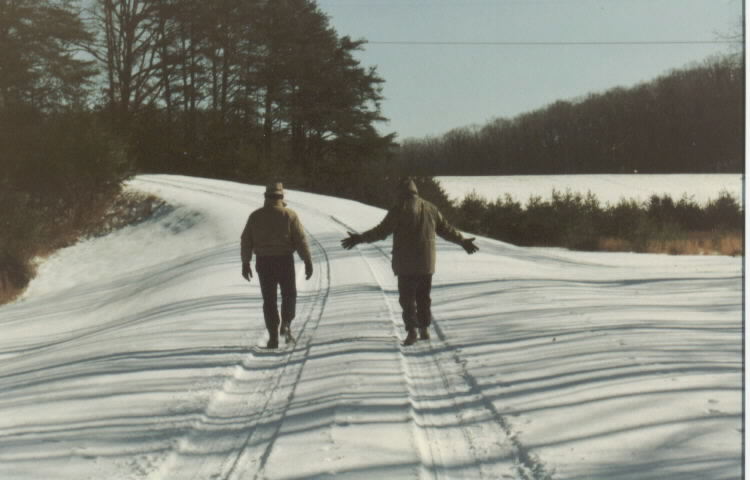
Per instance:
x=688, y=121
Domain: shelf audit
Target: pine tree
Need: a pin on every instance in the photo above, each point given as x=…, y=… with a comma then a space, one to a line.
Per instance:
x=39, y=66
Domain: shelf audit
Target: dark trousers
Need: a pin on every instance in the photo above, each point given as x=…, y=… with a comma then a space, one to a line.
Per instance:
x=414, y=297
x=276, y=272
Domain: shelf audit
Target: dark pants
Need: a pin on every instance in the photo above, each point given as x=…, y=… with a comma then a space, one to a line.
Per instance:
x=414, y=297
x=275, y=272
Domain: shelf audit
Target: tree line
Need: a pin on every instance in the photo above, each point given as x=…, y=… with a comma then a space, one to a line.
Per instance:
x=582, y=222
x=235, y=87
x=219, y=87
x=688, y=121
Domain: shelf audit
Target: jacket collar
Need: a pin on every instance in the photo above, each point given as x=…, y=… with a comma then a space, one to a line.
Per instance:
x=274, y=202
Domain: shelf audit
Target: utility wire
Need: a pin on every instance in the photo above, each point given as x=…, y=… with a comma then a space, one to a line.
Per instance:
x=543, y=43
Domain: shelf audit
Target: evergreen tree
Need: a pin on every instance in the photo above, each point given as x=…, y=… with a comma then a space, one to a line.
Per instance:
x=39, y=68
x=315, y=89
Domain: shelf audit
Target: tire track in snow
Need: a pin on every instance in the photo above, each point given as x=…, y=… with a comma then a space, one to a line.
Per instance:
x=233, y=439
x=427, y=445
x=444, y=361
x=239, y=426
x=446, y=364
x=270, y=435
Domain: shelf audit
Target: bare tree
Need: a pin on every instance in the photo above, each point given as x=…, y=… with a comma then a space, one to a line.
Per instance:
x=127, y=47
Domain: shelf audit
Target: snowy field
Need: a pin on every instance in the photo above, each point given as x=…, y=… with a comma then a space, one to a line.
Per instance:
x=135, y=356
x=607, y=188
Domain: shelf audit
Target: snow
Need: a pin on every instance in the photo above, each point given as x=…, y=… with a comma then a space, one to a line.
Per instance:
x=608, y=188
x=135, y=356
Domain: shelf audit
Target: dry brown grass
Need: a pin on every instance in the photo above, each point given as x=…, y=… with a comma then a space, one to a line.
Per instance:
x=9, y=294
x=694, y=243
x=14, y=276
x=612, y=244
x=732, y=244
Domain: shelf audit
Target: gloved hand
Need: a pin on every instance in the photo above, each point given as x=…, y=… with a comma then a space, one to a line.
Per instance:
x=468, y=245
x=247, y=272
x=352, y=240
x=308, y=270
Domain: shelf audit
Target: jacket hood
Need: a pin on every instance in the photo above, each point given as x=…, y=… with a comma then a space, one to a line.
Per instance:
x=407, y=187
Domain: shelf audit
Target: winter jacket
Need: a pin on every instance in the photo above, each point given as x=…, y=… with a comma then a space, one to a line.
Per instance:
x=274, y=230
x=413, y=223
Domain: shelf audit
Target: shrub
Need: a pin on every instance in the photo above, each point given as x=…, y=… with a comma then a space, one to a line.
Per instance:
x=472, y=210
x=723, y=213
x=503, y=219
x=579, y=222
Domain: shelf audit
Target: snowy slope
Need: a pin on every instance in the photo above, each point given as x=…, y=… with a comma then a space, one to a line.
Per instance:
x=135, y=356
x=701, y=188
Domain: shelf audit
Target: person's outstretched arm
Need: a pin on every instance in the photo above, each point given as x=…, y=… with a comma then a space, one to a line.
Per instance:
x=380, y=232
x=448, y=232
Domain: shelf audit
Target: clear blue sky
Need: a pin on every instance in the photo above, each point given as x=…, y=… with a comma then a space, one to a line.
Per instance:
x=432, y=87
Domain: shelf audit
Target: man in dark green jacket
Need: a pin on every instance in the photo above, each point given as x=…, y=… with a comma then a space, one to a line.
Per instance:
x=274, y=233
x=413, y=222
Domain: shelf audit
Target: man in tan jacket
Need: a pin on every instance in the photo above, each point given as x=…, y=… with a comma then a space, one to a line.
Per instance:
x=413, y=222
x=274, y=233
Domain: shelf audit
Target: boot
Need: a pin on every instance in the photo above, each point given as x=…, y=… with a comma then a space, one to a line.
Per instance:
x=411, y=337
x=286, y=332
x=273, y=341
x=424, y=333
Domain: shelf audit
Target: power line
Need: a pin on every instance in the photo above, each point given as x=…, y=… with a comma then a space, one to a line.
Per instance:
x=549, y=43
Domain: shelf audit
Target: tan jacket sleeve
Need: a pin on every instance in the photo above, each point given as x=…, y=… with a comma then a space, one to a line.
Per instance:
x=382, y=230
x=446, y=230
x=299, y=241
x=246, y=243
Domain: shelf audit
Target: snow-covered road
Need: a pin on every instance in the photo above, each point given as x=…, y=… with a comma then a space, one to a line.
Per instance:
x=135, y=356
